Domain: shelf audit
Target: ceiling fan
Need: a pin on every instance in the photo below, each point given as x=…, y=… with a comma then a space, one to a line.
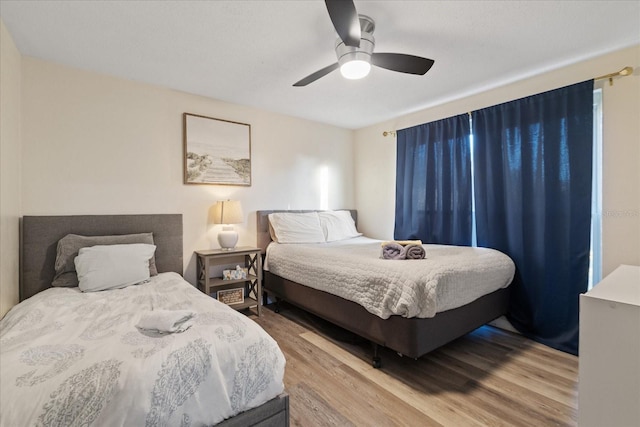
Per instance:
x=355, y=44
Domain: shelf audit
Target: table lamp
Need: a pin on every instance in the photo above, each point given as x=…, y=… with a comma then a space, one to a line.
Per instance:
x=227, y=212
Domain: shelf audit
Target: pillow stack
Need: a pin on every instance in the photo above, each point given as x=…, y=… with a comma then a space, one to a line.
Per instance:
x=312, y=227
x=104, y=262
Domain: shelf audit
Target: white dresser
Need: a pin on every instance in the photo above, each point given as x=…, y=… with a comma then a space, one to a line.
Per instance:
x=609, y=358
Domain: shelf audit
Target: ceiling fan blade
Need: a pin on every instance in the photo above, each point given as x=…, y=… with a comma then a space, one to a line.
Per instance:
x=315, y=76
x=345, y=20
x=409, y=64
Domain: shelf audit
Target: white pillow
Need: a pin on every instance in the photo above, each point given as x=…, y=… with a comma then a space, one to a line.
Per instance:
x=289, y=227
x=338, y=225
x=104, y=267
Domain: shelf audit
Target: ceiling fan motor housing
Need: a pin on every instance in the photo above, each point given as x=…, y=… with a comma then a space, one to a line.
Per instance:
x=367, y=43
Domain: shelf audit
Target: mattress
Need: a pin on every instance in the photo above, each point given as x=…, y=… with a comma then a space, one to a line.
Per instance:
x=448, y=277
x=70, y=358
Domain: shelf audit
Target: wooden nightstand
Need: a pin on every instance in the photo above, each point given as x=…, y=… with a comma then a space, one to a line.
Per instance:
x=251, y=286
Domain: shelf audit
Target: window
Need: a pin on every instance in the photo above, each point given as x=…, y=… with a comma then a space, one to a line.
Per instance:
x=595, y=266
x=474, y=236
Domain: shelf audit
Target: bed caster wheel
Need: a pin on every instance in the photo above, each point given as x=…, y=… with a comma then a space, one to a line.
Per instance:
x=377, y=363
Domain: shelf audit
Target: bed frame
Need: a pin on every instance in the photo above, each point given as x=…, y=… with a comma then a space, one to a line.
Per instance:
x=411, y=337
x=39, y=237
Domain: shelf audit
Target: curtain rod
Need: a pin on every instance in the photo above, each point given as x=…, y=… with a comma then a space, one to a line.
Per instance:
x=626, y=71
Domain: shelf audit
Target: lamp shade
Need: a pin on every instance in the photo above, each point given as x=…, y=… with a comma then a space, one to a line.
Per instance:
x=227, y=212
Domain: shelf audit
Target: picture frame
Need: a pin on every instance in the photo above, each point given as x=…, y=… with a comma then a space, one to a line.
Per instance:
x=216, y=151
x=231, y=296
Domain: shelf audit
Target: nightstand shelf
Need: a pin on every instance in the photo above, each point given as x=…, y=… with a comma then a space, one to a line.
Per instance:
x=217, y=281
x=251, y=286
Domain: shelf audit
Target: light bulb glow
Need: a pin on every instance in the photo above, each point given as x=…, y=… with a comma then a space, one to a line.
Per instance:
x=355, y=69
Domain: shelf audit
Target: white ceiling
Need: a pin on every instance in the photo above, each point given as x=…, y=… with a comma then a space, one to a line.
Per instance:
x=251, y=52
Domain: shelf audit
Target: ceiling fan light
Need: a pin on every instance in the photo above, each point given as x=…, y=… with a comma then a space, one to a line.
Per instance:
x=355, y=69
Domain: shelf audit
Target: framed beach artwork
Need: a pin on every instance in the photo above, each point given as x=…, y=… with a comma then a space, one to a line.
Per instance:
x=216, y=151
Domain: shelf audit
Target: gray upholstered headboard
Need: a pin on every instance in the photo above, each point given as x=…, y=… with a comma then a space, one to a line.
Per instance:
x=39, y=237
x=263, y=237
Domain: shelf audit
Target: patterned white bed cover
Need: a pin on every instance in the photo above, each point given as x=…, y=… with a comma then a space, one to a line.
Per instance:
x=72, y=358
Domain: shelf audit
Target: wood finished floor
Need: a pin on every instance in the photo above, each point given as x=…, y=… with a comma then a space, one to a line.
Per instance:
x=487, y=378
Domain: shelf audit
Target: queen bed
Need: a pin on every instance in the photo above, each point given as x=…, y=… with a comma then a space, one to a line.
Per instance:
x=80, y=358
x=409, y=306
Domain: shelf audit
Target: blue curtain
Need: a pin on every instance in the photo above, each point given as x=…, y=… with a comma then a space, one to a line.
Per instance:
x=533, y=166
x=433, y=182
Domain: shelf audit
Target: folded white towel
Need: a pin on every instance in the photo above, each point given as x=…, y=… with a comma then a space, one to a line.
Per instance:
x=166, y=321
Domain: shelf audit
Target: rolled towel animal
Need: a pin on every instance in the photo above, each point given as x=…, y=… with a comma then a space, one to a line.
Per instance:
x=166, y=321
x=392, y=250
x=415, y=252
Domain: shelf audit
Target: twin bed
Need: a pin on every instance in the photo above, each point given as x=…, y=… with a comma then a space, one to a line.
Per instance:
x=412, y=306
x=77, y=358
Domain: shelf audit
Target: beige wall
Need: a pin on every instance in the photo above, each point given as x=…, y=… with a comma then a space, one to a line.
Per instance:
x=375, y=155
x=76, y=142
x=93, y=144
x=10, y=63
